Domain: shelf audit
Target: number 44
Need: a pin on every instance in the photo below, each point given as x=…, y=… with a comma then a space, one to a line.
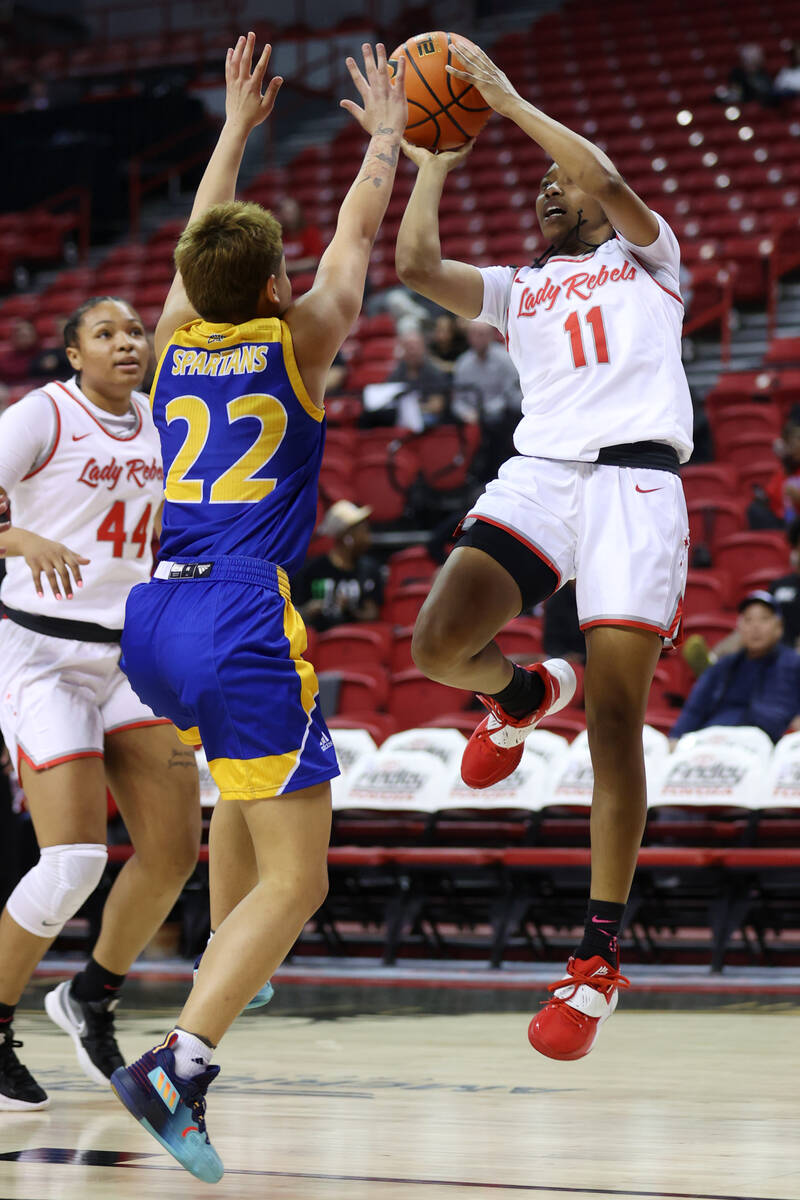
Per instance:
x=112, y=529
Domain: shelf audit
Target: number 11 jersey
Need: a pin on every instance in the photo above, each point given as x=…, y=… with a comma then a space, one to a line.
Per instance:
x=596, y=339
x=242, y=444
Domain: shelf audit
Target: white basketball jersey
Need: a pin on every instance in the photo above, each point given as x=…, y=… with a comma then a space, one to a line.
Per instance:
x=98, y=494
x=596, y=339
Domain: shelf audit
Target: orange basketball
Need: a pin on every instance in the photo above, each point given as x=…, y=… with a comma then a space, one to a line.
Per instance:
x=443, y=112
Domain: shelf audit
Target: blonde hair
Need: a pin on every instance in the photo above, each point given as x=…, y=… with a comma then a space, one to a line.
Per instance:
x=225, y=258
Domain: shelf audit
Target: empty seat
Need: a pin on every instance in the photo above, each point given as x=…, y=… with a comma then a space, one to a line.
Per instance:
x=414, y=699
x=345, y=646
x=742, y=553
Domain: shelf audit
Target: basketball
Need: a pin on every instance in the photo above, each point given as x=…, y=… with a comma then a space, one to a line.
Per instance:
x=443, y=112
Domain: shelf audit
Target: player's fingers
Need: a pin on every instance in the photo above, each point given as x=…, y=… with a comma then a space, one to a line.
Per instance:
x=36, y=574
x=236, y=56
x=369, y=63
x=380, y=58
x=247, y=52
x=66, y=579
x=260, y=69
x=470, y=77
x=400, y=74
x=353, y=109
x=358, y=79
x=268, y=99
x=53, y=581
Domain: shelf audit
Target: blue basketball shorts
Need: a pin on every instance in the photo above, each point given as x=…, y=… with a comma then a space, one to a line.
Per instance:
x=218, y=648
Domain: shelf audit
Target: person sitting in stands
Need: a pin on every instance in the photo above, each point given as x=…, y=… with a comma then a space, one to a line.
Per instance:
x=759, y=685
x=346, y=584
x=302, y=243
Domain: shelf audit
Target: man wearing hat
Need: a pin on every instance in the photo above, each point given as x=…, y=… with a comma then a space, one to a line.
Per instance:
x=346, y=584
x=759, y=685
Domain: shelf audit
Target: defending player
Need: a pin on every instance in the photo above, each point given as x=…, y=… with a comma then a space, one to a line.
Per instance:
x=594, y=329
x=213, y=641
x=82, y=466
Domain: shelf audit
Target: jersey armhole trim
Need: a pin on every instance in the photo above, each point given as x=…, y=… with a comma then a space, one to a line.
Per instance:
x=647, y=271
x=154, y=384
x=295, y=378
x=56, y=440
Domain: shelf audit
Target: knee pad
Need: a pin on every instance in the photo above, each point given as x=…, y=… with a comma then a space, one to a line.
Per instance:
x=53, y=891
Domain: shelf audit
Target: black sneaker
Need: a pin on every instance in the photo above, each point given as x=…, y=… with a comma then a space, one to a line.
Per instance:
x=19, y=1091
x=90, y=1024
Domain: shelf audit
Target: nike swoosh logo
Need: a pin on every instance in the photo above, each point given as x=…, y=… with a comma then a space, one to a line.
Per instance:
x=78, y=437
x=602, y=921
x=643, y=490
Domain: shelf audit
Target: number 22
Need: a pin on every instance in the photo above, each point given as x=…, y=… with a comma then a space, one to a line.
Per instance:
x=594, y=319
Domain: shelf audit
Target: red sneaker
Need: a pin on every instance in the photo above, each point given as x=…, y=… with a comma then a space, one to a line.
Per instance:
x=568, y=1024
x=495, y=748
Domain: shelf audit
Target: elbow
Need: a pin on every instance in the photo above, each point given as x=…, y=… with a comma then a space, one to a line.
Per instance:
x=411, y=269
x=604, y=183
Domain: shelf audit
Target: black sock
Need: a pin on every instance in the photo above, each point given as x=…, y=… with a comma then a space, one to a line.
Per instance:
x=601, y=930
x=6, y=1016
x=522, y=695
x=96, y=983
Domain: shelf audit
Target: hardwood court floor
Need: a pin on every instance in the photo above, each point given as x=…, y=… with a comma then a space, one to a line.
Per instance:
x=683, y=1105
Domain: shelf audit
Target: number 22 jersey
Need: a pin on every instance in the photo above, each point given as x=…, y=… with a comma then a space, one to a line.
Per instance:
x=241, y=442
x=596, y=339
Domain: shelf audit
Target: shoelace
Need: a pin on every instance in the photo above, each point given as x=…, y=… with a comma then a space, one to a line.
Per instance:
x=195, y=1097
x=10, y=1064
x=601, y=983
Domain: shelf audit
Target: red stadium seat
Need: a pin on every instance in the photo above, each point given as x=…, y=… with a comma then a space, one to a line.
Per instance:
x=713, y=626
x=706, y=591
x=401, y=607
x=414, y=565
x=384, y=484
x=742, y=553
x=361, y=691
x=415, y=699
x=348, y=646
x=784, y=352
x=744, y=449
x=709, y=481
x=712, y=520
x=521, y=639
x=378, y=724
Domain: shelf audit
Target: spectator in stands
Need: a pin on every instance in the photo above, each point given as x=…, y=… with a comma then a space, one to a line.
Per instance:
x=781, y=498
x=485, y=381
x=759, y=685
x=787, y=81
x=749, y=80
x=16, y=363
x=447, y=342
x=786, y=589
x=424, y=404
x=302, y=243
x=346, y=584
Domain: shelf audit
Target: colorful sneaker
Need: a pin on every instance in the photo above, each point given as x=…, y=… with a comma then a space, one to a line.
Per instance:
x=172, y=1109
x=568, y=1024
x=19, y=1091
x=262, y=996
x=495, y=748
x=90, y=1024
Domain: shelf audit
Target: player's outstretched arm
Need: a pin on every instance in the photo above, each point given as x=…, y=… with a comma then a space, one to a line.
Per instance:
x=321, y=320
x=456, y=286
x=586, y=165
x=246, y=106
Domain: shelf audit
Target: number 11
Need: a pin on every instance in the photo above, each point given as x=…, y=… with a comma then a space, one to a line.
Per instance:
x=594, y=318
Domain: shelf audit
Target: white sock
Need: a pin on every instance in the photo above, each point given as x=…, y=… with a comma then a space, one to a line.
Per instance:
x=192, y=1054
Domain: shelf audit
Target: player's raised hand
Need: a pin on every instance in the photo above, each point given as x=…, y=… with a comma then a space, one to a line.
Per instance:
x=53, y=560
x=445, y=160
x=385, y=106
x=246, y=103
x=479, y=70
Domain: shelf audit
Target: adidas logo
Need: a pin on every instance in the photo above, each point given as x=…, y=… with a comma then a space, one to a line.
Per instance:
x=325, y=742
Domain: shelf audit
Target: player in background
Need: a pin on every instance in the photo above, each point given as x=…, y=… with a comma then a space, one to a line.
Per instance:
x=214, y=641
x=594, y=329
x=82, y=466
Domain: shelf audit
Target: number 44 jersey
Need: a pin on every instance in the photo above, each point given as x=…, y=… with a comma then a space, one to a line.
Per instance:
x=97, y=492
x=596, y=339
x=241, y=442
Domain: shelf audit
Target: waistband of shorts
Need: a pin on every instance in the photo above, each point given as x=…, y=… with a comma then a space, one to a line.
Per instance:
x=232, y=567
x=77, y=631
x=655, y=456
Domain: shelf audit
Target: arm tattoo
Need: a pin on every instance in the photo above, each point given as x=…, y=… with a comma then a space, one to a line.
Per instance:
x=181, y=758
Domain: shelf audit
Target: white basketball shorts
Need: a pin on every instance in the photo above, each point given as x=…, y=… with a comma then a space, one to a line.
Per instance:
x=622, y=533
x=61, y=698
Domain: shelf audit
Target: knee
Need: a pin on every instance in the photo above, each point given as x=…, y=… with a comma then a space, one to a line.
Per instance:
x=438, y=644
x=614, y=723
x=316, y=892
x=53, y=891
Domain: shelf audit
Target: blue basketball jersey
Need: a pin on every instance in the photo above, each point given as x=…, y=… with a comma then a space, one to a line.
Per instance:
x=241, y=442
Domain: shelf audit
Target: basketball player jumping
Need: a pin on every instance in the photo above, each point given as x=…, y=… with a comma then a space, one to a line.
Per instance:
x=594, y=329
x=214, y=641
x=82, y=465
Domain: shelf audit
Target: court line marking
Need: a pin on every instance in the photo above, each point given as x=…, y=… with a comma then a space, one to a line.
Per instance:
x=464, y=1183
